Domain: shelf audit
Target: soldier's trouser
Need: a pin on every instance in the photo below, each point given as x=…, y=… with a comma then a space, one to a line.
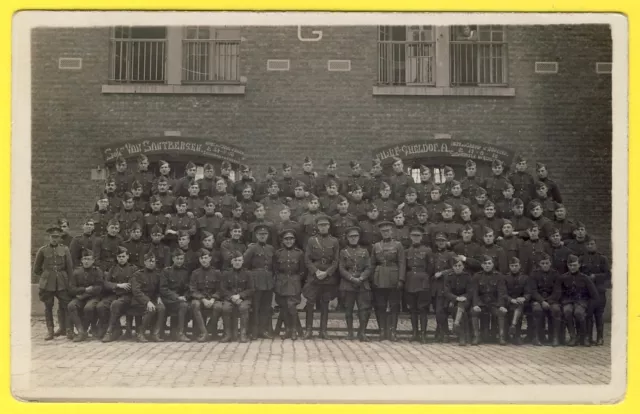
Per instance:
x=597, y=315
x=117, y=308
x=459, y=311
x=351, y=297
x=47, y=297
x=243, y=310
x=261, y=312
x=493, y=310
x=575, y=314
x=200, y=314
x=390, y=297
x=289, y=311
x=418, y=305
x=178, y=313
x=442, y=318
x=83, y=311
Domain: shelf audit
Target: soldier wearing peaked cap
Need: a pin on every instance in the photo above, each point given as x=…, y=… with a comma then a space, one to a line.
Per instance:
x=105, y=248
x=552, y=186
x=289, y=271
x=417, y=287
x=53, y=266
x=471, y=182
x=85, y=286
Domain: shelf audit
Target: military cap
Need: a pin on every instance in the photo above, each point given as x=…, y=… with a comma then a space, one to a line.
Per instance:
x=534, y=203
x=272, y=183
x=87, y=253
x=497, y=163
x=470, y=163
x=331, y=183
x=540, y=185
x=190, y=165
x=299, y=184
x=180, y=201
x=154, y=199
x=572, y=259
x=342, y=199
x=62, y=221
x=384, y=185
x=447, y=169
x=135, y=185
x=554, y=231
x=436, y=188
x=519, y=158
x=486, y=258
x=127, y=196
x=206, y=234
x=514, y=260
x=410, y=190
x=375, y=162
x=489, y=203
x=202, y=252
x=508, y=185
x=156, y=230
x=142, y=157
x=287, y=232
x=560, y=206
x=486, y=230
x=441, y=236
x=135, y=226
x=540, y=165
x=162, y=163
x=313, y=197
x=236, y=254
x=235, y=205
x=307, y=160
x=446, y=206
x=183, y=233
x=122, y=250
x=113, y=222
x=517, y=202
x=352, y=229
x=226, y=165
x=354, y=164
x=149, y=256
x=247, y=187
x=421, y=209
x=455, y=183
x=416, y=230
x=208, y=166
x=209, y=200
x=544, y=256
x=455, y=260
x=580, y=224
x=424, y=168
x=261, y=228
x=396, y=159
x=506, y=221
x=259, y=206
x=163, y=179
x=245, y=168
x=384, y=224
x=480, y=191
x=271, y=170
x=193, y=182
x=370, y=207
x=322, y=220
x=110, y=180
x=398, y=213
x=120, y=160
x=331, y=162
x=533, y=225
x=467, y=227
x=286, y=166
x=355, y=187
x=92, y=221
x=177, y=253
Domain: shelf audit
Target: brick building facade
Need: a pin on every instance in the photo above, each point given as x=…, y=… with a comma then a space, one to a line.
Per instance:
x=376, y=99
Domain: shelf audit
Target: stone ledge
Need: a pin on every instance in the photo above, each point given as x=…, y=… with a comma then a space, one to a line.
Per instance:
x=438, y=91
x=217, y=89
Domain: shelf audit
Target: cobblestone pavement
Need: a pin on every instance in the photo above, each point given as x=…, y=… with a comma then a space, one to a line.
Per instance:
x=61, y=363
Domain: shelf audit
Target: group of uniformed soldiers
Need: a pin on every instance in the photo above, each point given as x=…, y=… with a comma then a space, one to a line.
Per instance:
x=484, y=251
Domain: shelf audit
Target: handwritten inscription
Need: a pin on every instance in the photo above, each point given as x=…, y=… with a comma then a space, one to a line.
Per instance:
x=450, y=148
x=178, y=146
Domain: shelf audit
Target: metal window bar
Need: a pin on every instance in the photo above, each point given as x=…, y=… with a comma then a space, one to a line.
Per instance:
x=138, y=60
x=481, y=61
x=210, y=60
x=406, y=63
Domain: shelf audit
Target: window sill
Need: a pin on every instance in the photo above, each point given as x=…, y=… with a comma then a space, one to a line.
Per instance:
x=218, y=89
x=437, y=91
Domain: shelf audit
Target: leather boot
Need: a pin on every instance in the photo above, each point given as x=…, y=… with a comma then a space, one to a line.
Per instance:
x=461, y=330
x=254, y=321
x=266, y=323
x=458, y=318
x=324, y=320
x=212, y=327
x=587, y=334
x=535, y=329
x=571, y=327
x=363, y=320
x=48, y=319
x=146, y=322
x=158, y=327
x=501, y=334
x=198, y=322
x=424, y=320
x=180, y=336
x=349, y=319
x=280, y=322
x=62, y=322
x=382, y=324
x=228, y=326
x=556, y=327
x=244, y=322
x=599, y=330
x=82, y=333
x=414, y=327
x=393, y=337
x=589, y=331
x=476, y=330
x=308, y=327
x=296, y=327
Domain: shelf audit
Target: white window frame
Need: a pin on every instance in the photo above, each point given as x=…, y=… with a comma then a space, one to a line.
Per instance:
x=218, y=37
x=414, y=61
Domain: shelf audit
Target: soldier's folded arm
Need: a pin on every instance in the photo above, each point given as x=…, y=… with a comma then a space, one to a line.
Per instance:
x=74, y=289
x=108, y=281
x=447, y=290
x=137, y=292
x=165, y=292
x=605, y=276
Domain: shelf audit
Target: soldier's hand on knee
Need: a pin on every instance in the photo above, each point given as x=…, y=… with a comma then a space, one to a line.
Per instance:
x=218, y=214
x=514, y=301
x=520, y=300
x=151, y=307
x=476, y=309
x=502, y=309
x=545, y=305
x=182, y=299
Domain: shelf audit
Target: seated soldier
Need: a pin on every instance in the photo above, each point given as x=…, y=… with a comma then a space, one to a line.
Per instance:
x=116, y=298
x=85, y=286
x=596, y=266
x=174, y=289
x=518, y=297
x=289, y=270
x=145, y=288
x=544, y=301
x=489, y=296
x=417, y=294
x=458, y=289
x=236, y=289
x=206, y=298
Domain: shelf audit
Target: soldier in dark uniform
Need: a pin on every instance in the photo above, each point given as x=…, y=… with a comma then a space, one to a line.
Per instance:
x=174, y=291
x=263, y=185
x=289, y=270
x=167, y=199
x=566, y=225
x=101, y=216
x=446, y=225
x=161, y=252
x=258, y=261
x=83, y=241
x=471, y=182
x=209, y=243
x=442, y=258
x=246, y=180
x=236, y=219
x=548, y=205
x=532, y=249
x=355, y=271
x=236, y=289
x=400, y=230
x=144, y=177
x=511, y=244
x=497, y=182
x=330, y=200
x=489, y=218
x=545, y=301
x=207, y=183
x=417, y=293
x=435, y=205
x=115, y=202
x=543, y=176
x=285, y=223
x=308, y=219
x=523, y=182
x=308, y=176
x=370, y=232
x=578, y=245
x=330, y=175
x=273, y=202
x=116, y=299
x=596, y=266
x=489, y=293
x=190, y=260
x=321, y=256
x=503, y=206
x=355, y=179
x=249, y=206
x=456, y=199
x=195, y=203
x=357, y=205
x=518, y=297
x=341, y=221
x=449, y=176
x=85, y=286
x=577, y=292
x=468, y=249
x=389, y=261
x=426, y=185
x=222, y=199
x=206, y=299
x=372, y=185
x=128, y=216
x=477, y=209
x=140, y=203
x=559, y=252
x=155, y=218
x=145, y=288
x=53, y=265
x=490, y=248
x=259, y=214
x=232, y=245
x=458, y=290
x=180, y=222
x=386, y=206
x=287, y=183
x=520, y=222
x=105, y=248
x=210, y=221
x=400, y=180
x=410, y=207
x=423, y=223
x=225, y=171
x=182, y=185
x=121, y=177
x=65, y=238
x=164, y=169
x=466, y=219
x=544, y=224
x=298, y=203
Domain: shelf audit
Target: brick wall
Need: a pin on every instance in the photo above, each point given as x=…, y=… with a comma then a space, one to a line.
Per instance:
x=563, y=120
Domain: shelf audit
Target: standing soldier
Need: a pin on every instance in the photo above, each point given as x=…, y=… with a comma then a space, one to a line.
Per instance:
x=548, y=205
x=263, y=186
x=144, y=177
x=165, y=170
x=321, y=256
x=206, y=298
x=449, y=176
x=577, y=291
x=417, y=293
x=545, y=301
x=559, y=252
x=489, y=218
x=181, y=188
x=426, y=185
x=456, y=199
x=101, y=216
x=489, y=293
x=53, y=266
x=400, y=180
x=566, y=225
x=166, y=197
x=497, y=182
x=321, y=182
x=459, y=291
x=287, y=183
x=400, y=231
x=372, y=185
x=222, y=199
x=385, y=205
x=128, y=216
x=249, y=206
x=180, y=222
x=161, y=252
x=446, y=225
x=115, y=203
x=518, y=297
x=308, y=176
x=259, y=214
x=435, y=205
x=503, y=207
x=245, y=181
x=410, y=207
x=195, y=203
x=596, y=266
x=477, y=209
x=465, y=219
x=145, y=288
x=285, y=223
x=355, y=179
x=225, y=172
x=543, y=176
x=442, y=258
x=521, y=223
x=544, y=224
x=308, y=219
x=121, y=177
x=258, y=260
x=370, y=232
x=511, y=244
x=355, y=271
x=490, y=248
x=523, y=182
x=298, y=203
x=469, y=249
x=357, y=205
x=342, y=220
x=207, y=183
x=532, y=249
x=389, y=262
x=330, y=200
x=116, y=299
x=105, y=248
x=232, y=245
x=140, y=203
x=156, y=218
x=210, y=221
x=578, y=245
x=273, y=202
x=66, y=237
x=471, y=182
x=289, y=269
x=174, y=290
x=85, y=286
x=236, y=288
x=81, y=242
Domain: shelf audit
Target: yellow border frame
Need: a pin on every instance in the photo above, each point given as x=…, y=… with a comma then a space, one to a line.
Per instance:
x=629, y=7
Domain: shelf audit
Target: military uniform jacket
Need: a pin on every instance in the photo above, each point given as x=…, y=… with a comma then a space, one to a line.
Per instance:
x=242, y=184
x=548, y=207
x=524, y=186
x=182, y=186
x=248, y=210
x=225, y=231
x=399, y=183
x=141, y=205
x=553, y=190
x=559, y=256
x=387, y=208
x=54, y=267
x=477, y=211
x=351, y=182
x=542, y=286
x=471, y=251
x=358, y=209
x=210, y=223
x=449, y=227
x=123, y=182
x=402, y=235
x=287, y=185
x=168, y=203
x=470, y=185
x=322, y=253
x=441, y=263
x=520, y=225
x=372, y=186
x=115, y=202
x=162, y=253
x=329, y=204
x=145, y=178
x=100, y=220
x=495, y=185
x=205, y=284
x=105, y=250
x=195, y=205
x=272, y=206
x=191, y=260
x=424, y=191
x=544, y=224
x=223, y=203
x=511, y=245
x=309, y=180
x=174, y=282
x=258, y=260
x=126, y=220
x=230, y=184
x=499, y=256
x=518, y=286
x=227, y=248
x=155, y=219
x=116, y=275
x=171, y=184
x=493, y=223
x=456, y=202
x=298, y=207
x=390, y=264
x=370, y=233
x=286, y=225
x=83, y=241
x=145, y=286
x=339, y=223
x=598, y=265
x=531, y=252
x=410, y=212
x=289, y=270
x=207, y=186
x=321, y=189
x=308, y=223
x=354, y=263
x=578, y=247
x=489, y=289
x=136, y=249
x=419, y=268
x=576, y=288
x=503, y=208
x=458, y=285
x=236, y=282
x=83, y=278
x=566, y=227
x=183, y=222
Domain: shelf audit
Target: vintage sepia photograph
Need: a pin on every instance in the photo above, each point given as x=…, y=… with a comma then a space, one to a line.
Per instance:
x=319, y=207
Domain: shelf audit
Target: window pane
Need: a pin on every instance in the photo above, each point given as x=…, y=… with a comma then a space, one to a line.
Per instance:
x=415, y=174
x=228, y=34
x=199, y=172
x=496, y=36
x=148, y=32
x=191, y=32
x=399, y=33
x=121, y=32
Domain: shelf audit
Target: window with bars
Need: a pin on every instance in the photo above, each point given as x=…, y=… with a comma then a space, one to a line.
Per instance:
x=138, y=54
x=436, y=173
x=210, y=54
x=478, y=55
x=406, y=55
